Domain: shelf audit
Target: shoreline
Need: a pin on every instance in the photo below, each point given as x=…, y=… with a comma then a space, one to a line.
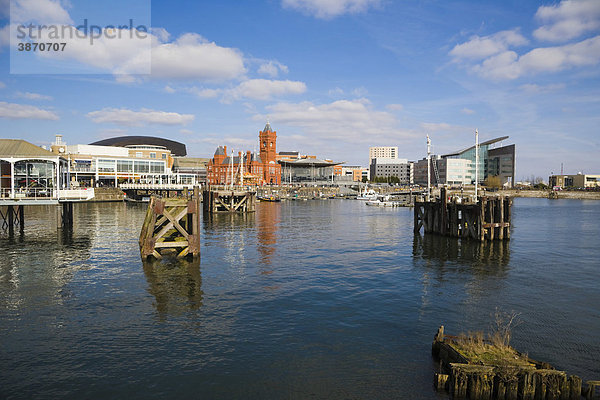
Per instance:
x=544, y=194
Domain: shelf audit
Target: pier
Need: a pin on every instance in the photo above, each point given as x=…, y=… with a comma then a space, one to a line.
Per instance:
x=228, y=199
x=12, y=206
x=171, y=226
x=486, y=219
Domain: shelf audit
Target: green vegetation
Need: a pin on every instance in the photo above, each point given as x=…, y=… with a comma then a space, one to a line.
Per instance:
x=493, y=181
x=496, y=349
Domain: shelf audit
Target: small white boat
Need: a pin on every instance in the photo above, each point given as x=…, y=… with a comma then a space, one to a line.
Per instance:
x=367, y=195
x=384, y=201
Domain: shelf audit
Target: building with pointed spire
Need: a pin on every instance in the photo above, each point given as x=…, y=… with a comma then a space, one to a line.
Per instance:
x=249, y=168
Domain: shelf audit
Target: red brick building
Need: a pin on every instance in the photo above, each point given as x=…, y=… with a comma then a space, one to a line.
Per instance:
x=258, y=169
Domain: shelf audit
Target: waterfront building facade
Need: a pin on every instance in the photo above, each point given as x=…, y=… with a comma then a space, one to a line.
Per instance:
x=458, y=168
x=249, y=168
x=392, y=167
x=574, y=181
x=493, y=161
x=310, y=169
x=383, y=152
x=27, y=170
x=123, y=160
x=352, y=173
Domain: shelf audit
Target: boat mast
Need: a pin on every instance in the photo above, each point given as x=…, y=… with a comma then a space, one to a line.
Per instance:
x=428, y=168
x=231, y=162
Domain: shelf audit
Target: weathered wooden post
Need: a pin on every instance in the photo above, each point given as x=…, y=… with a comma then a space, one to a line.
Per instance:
x=171, y=226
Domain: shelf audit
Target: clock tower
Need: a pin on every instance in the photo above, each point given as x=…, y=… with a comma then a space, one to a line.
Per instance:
x=268, y=141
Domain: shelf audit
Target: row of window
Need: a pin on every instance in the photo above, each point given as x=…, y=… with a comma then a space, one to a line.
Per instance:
x=131, y=166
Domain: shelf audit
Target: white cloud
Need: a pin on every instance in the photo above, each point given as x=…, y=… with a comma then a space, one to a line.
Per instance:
x=509, y=65
x=348, y=120
x=193, y=57
x=467, y=111
x=437, y=126
x=480, y=47
x=204, y=93
x=2, y=85
x=33, y=96
x=264, y=89
x=532, y=88
x=395, y=107
x=4, y=36
x=567, y=20
x=336, y=92
x=360, y=92
x=22, y=111
x=272, y=68
x=43, y=11
x=169, y=89
x=123, y=116
x=188, y=57
x=327, y=9
x=186, y=131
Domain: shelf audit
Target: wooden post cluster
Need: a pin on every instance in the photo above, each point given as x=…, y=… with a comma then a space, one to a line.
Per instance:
x=465, y=378
x=489, y=219
x=171, y=226
x=215, y=201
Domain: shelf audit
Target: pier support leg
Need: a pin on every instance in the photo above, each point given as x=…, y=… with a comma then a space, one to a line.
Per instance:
x=11, y=220
x=21, y=219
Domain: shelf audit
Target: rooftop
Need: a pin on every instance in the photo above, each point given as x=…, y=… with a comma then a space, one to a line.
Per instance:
x=486, y=143
x=21, y=148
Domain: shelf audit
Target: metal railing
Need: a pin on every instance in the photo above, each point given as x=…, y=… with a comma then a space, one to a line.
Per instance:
x=46, y=193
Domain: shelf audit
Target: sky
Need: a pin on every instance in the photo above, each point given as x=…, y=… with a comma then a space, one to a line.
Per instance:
x=333, y=77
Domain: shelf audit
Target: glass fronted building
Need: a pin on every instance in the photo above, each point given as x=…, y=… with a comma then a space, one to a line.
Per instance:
x=27, y=170
x=493, y=161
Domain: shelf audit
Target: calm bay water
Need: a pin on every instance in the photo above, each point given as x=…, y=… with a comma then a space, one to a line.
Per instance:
x=322, y=299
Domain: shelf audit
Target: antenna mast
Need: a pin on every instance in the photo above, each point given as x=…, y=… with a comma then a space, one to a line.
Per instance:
x=476, y=162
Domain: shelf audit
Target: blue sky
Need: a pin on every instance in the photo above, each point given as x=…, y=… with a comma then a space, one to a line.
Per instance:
x=333, y=77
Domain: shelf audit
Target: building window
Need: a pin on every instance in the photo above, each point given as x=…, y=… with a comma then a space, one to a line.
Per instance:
x=152, y=155
x=164, y=156
x=138, y=154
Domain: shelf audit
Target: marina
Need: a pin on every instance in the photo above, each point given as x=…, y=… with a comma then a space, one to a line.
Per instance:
x=274, y=291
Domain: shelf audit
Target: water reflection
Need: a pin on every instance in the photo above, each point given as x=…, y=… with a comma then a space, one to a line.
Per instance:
x=175, y=284
x=479, y=258
x=267, y=220
x=39, y=264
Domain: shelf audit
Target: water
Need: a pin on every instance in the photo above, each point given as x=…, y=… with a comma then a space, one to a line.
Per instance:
x=321, y=299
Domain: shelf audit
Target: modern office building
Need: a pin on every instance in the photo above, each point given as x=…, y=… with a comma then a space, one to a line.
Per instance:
x=458, y=168
x=493, y=161
x=392, y=167
x=383, y=152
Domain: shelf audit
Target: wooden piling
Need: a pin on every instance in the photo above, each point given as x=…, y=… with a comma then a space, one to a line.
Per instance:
x=216, y=200
x=171, y=226
x=488, y=219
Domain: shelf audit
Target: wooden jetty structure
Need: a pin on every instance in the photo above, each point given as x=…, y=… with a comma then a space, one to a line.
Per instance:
x=172, y=226
x=487, y=219
x=232, y=199
x=12, y=206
